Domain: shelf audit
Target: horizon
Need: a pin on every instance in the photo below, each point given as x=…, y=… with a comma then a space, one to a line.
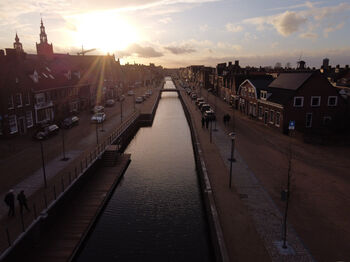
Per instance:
x=180, y=33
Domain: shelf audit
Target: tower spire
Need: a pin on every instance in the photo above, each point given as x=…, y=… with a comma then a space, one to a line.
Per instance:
x=17, y=44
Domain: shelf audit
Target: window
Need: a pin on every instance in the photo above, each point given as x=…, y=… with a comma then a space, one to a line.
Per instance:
x=308, y=119
x=29, y=118
x=10, y=102
x=26, y=99
x=332, y=100
x=40, y=98
x=260, y=112
x=315, y=101
x=263, y=95
x=271, y=116
x=18, y=100
x=298, y=101
x=13, y=124
x=277, y=123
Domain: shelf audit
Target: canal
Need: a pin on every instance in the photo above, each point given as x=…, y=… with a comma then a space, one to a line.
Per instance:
x=156, y=212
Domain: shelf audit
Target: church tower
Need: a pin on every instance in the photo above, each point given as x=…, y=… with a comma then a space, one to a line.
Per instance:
x=17, y=45
x=44, y=48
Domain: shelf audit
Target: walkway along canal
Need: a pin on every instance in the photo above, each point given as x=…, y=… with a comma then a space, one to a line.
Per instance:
x=156, y=212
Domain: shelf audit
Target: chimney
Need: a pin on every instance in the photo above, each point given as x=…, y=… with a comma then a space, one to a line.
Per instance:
x=236, y=62
x=229, y=63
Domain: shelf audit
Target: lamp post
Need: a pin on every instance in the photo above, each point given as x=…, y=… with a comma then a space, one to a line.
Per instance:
x=232, y=135
x=43, y=162
x=215, y=129
x=134, y=101
x=121, y=110
x=63, y=148
x=102, y=130
x=96, y=123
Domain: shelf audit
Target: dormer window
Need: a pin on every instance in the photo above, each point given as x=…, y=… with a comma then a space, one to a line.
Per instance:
x=263, y=95
x=69, y=75
x=35, y=77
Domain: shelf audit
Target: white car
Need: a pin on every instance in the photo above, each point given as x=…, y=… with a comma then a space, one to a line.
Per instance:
x=98, y=118
x=139, y=99
x=97, y=109
x=131, y=93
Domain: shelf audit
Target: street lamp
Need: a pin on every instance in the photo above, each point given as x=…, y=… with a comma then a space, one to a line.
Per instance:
x=232, y=135
x=96, y=123
x=63, y=147
x=43, y=162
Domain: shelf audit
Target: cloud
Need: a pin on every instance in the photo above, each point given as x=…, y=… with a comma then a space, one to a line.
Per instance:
x=249, y=36
x=176, y=50
x=165, y=20
x=203, y=28
x=224, y=45
x=309, y=35
x=139, y=51
x=327, y=30
x=288, y=22
x=233, y=28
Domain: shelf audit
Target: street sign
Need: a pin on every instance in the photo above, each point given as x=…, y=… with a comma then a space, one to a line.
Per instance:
x=291, y=125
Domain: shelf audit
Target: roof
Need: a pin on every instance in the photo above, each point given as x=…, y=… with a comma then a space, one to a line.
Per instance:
x=290, y=81
x=260, y=83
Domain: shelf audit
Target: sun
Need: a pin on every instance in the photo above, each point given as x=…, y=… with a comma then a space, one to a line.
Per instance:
x=105, y=31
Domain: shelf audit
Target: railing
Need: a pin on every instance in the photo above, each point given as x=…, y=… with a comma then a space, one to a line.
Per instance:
x=45, y=198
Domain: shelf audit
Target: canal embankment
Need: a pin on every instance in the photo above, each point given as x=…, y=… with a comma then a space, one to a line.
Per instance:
x=241, y=239
x=58, y=201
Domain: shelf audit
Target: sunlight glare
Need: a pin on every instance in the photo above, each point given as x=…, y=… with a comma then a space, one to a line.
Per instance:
x=105, y=31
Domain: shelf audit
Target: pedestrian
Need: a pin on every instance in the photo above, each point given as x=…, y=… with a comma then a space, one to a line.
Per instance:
x=203, y=121
x=10, y=202
x=225, y=119
x=22, y=199
x=228, y=118
x=207, y=122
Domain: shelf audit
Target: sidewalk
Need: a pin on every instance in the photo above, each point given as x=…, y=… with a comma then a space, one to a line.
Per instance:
x=60, y=174
x=258, y=207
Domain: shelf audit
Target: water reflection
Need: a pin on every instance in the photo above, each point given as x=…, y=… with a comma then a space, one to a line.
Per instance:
x=156, y=213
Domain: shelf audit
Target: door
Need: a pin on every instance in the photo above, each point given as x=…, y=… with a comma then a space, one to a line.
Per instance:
x=22, y=129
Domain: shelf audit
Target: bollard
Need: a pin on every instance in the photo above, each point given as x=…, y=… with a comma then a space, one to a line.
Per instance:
x=22, y=221
x=45, y=199
x=62, y=183
x=54, y=191
x=34, y=209
x=8, y=237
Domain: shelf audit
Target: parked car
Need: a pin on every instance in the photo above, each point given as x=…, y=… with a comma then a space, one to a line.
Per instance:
x=200, y=104
x=139, y=99
x=149, y=92
x=200, y=99
x=97, y=109
x=98, y=118
x=194, y=96
x=210, y=114
x=131, y=93
x=110, y=102
x=121, y=98
x=47, y=131
x=205, y=107
x=69, y=122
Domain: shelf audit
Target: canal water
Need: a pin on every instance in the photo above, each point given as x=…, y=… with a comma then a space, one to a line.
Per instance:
x=156, y=212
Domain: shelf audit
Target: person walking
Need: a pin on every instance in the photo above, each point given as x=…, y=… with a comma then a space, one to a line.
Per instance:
x=10, y=202
x=22, y=199
x=203, y=121
x=228, y=119
x=225, y=119
x=207, y=122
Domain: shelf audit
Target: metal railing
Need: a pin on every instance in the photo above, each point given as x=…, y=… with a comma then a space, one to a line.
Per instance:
x=14, y=229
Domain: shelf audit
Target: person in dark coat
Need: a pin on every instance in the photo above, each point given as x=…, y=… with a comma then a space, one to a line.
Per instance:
x=225, y=119
x=228, y=118
x=207, y=123
x=22, y=199
x=203, y=121
x=10, y=202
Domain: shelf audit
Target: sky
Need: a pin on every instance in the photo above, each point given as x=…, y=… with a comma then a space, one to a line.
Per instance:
x=179, y=33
